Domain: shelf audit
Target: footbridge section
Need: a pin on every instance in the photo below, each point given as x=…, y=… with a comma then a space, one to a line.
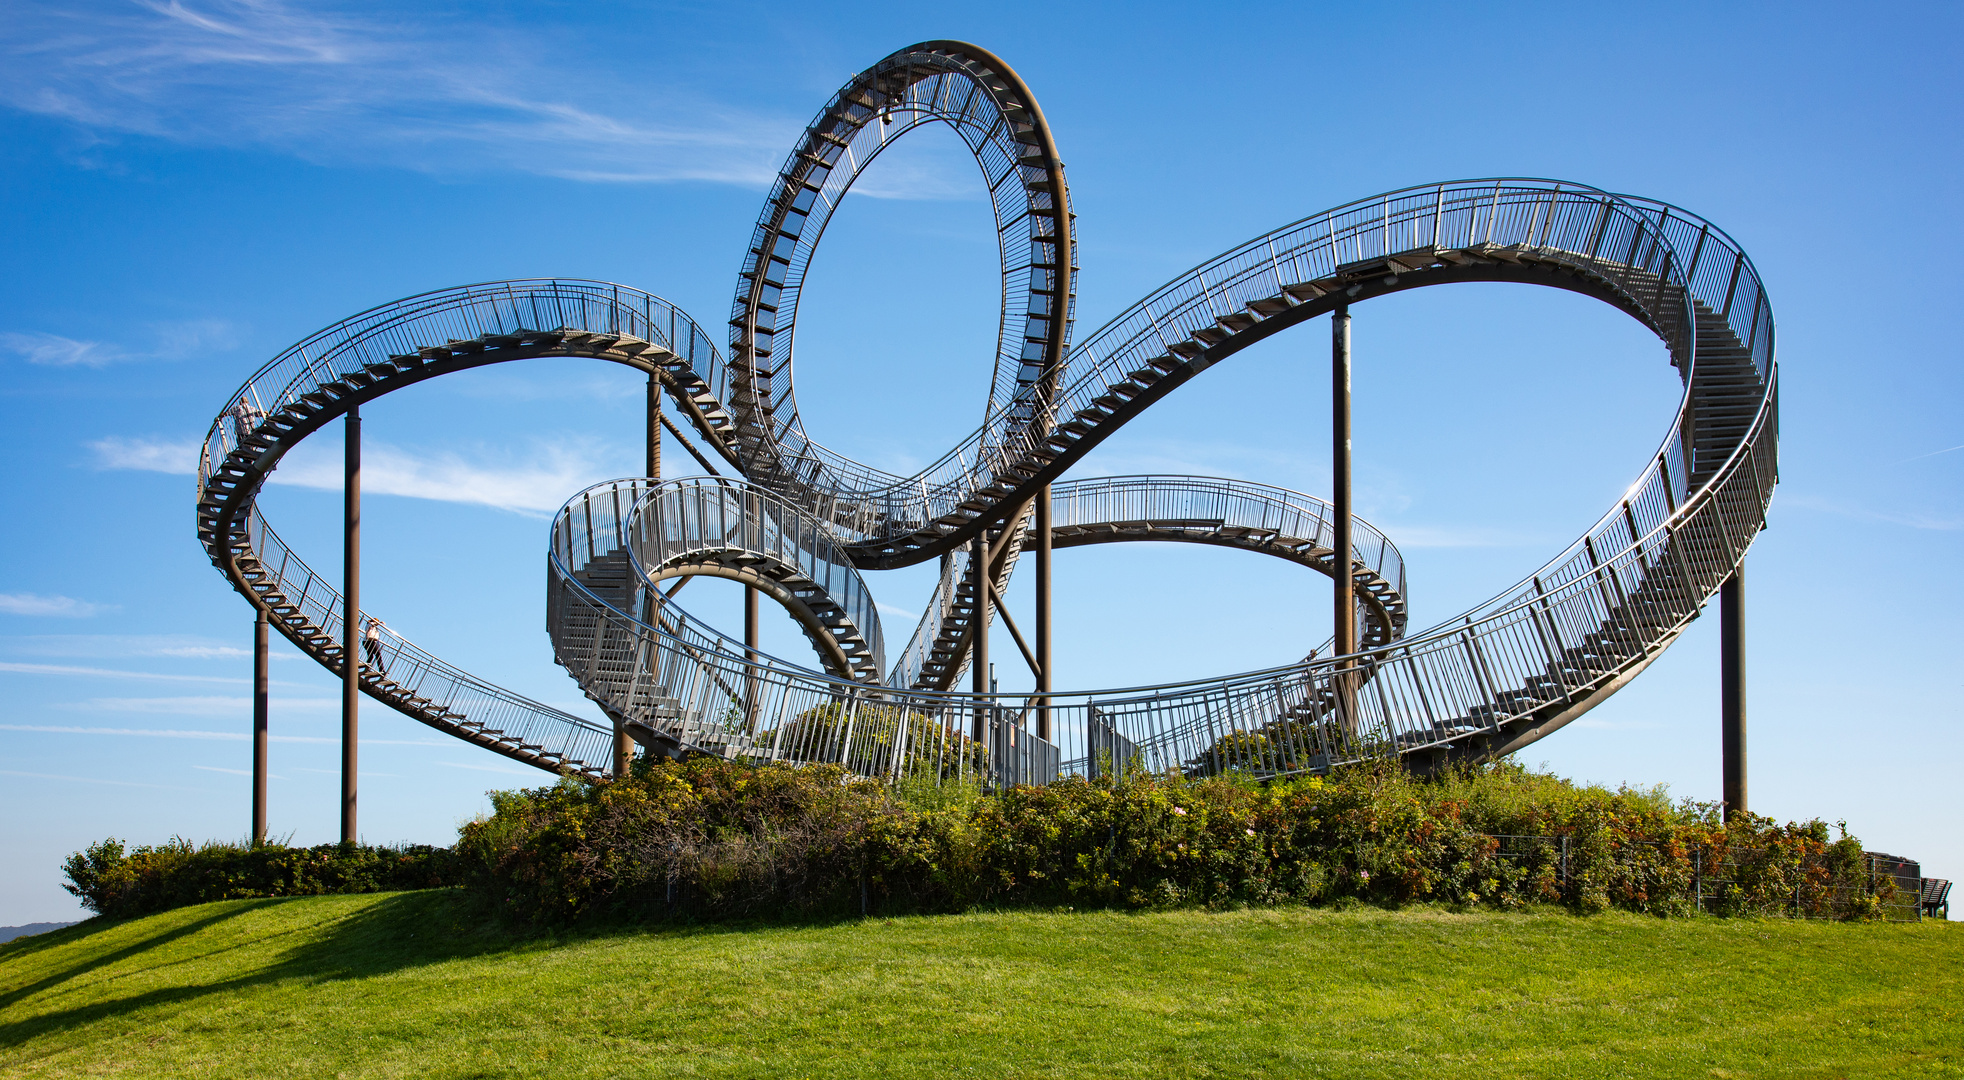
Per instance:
x=802, y=525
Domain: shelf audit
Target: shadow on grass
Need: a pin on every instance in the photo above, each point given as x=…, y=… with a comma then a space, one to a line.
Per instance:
x=397, y=932
x=45, y=942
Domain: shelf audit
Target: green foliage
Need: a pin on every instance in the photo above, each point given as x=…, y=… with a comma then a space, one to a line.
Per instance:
x=710, y=838
x=421, y=986
x=120, y=883
x=713, y=839
x=865, y=732
x=705, y=835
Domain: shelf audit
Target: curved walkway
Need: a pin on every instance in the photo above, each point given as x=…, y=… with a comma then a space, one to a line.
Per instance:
x=1487, y=682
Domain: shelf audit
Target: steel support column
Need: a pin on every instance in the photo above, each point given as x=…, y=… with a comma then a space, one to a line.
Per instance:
x=1044, y=680
x=654, y=427
x=1732, y=660
x=351, y=620
x=978, y=652
x=623, y=750
x=1345, y=607
x=261, y=687
x=750, y=653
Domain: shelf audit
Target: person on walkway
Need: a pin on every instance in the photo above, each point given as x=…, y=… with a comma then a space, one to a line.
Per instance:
x=245, y=417
x=371, y=644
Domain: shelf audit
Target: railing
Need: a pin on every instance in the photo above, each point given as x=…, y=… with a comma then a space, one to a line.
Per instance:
x=443, y=688
x=1716, y=878
x=969, y=92
x=1573, y=630
x=1453, y=684
x=1485, y=682
x=462, y=314
x=682, y=520
x=941, y=604
x=1537, y=653
x=1633, y=244
x=1202, y=502
x=1234, y=504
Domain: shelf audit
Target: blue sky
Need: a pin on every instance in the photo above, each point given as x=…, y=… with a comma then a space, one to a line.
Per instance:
x=186, y=188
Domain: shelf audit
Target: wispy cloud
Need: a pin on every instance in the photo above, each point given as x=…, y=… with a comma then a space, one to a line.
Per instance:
x=170, y=341
x=176, y=456
x=1906, y=519
x=416, y=90
x=92, y=780
x=110, y=673
x=221, y=736
x=1413, y=537
x=191, y=706
x=535, y=483
x=1931, y=454
x=237, y=772
x=53, y=350
x=119, y=646
x=66, y=607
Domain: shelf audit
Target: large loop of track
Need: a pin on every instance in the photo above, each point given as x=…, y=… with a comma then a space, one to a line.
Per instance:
x=803, y=521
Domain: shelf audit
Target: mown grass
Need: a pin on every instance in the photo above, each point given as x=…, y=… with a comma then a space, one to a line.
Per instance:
x=418, y=984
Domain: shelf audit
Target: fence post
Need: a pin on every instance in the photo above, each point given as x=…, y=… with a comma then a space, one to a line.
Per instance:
x=1698, y=879
x=1564, y=862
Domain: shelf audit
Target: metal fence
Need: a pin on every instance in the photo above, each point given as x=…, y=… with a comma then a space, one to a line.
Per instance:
x=1660, y=257
x=1717, y=879
x=1538, y=653
x=1500, y=674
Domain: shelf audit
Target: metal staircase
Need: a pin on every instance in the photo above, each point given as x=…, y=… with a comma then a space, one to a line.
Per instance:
x=803, y=520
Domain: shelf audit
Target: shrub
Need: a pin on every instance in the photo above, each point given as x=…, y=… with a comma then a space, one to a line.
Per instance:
x=711, y=834
x=117, y=882
x=711, y=838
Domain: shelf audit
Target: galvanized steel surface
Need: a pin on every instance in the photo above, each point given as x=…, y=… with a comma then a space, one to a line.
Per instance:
x=1486, y=682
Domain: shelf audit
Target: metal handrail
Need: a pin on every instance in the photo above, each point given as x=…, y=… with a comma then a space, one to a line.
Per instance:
x=414, y=674
x=1488, y=681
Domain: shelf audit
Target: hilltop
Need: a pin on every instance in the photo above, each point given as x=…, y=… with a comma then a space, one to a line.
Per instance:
x=422, y=984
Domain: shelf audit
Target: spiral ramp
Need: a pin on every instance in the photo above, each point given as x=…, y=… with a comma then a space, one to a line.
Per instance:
x=803, y=520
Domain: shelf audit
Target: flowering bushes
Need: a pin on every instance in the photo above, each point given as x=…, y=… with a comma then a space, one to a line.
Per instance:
x=715, y=838
x=117, y=882
x=712, y=838
x=707, y=835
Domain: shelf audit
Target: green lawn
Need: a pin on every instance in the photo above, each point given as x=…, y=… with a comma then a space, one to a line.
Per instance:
x=406, y=984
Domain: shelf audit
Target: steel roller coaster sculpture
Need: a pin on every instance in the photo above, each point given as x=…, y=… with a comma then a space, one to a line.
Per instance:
x=798, y=522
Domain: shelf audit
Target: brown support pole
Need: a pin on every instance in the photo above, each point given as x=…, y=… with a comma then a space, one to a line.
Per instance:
x=261, y=686
x=978, y=651
x=750, y=653
x=651, y=468
x=1345, y=609
x=351, y=621
x=1044, y=682
x=654, y=427
x=1732, y=661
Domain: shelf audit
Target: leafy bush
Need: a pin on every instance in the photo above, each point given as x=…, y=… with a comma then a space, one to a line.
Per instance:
x=713, y=838
x=117, y=882
x=724, y=836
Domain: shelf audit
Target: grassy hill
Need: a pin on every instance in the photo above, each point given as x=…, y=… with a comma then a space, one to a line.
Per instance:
x=414, y=985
